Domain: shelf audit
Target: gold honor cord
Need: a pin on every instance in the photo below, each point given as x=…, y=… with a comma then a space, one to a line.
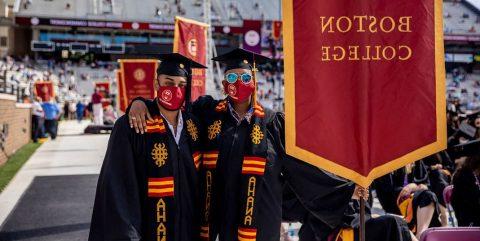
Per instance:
x=250, y=201
x=254, y=75
x=161, y=219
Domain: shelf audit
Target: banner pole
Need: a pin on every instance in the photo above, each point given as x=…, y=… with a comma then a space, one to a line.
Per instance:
x=362, y=218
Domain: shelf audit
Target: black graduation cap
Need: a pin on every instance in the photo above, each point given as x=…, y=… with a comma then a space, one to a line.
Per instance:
x=473, y=115
x=175, y=64
x=467, y=130
x=467, y=149
x=241, y=59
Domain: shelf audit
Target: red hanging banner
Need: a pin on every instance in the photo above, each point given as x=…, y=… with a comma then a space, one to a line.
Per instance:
x=44, y=90
x=136, y=78
x=120, y=97
x=104, y=88
x=276, y=30
x=252, y=35
x=190, y=40
x=365, y=84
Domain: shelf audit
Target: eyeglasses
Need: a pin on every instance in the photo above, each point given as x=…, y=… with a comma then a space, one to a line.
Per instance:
x=233, y=77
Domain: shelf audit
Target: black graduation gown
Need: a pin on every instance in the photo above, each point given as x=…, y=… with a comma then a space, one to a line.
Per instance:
x=124, y=208
x=324, y=195
x=466, y=198
x=386, y=227
x=388, y=188
x=439, y=178
x=292, y=209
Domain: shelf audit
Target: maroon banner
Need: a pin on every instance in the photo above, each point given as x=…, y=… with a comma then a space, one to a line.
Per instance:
x=252, y=38
x=120, y=96
x=136, y=78
x=365, y=84
x=190, y=39
x=104, y=88
x=276, y=30
x=44, y=90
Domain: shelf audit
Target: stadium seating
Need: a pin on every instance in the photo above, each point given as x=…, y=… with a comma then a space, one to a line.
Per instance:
x=470, y=87
x=58, y=8
x=459, y=19
x=223, y=12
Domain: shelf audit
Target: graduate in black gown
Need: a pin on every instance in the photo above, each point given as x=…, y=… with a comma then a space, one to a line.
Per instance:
x=466, y=187
x=148, y=185
x=440, y=168
x=378, y=228
x=245, y=165
x=405, y=192
x=381, y=228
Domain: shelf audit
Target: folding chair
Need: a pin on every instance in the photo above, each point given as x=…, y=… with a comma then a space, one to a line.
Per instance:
x=447, y=196
x=451, y=234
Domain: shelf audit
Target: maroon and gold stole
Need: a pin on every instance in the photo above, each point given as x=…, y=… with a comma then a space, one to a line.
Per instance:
x=160, y=183
x=253, y=168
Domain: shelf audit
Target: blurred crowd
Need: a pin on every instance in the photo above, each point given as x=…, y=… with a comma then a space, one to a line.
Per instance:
x=71, y=80
x=46, y=113
x=271, y=83
x=463, y=92
x=69, y=101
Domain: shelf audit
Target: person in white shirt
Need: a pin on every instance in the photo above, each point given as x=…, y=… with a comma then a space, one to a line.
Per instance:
x=38, y=117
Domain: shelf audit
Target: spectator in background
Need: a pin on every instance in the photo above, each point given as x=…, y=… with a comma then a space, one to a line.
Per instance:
x=65, y=110
x=97, y=107
x=72, y=108
x=72, y=80
x=110, y=115
x=52, y=114
x=37, y=119
x=79, y=110
x=405, y=192
x=89, y=111
x=466, y=192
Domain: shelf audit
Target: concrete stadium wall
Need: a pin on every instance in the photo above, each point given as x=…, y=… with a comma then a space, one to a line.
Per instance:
x=15, y=126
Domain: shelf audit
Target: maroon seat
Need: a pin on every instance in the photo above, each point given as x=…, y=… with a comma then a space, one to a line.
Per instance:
x=447, y=194
x=451, y=234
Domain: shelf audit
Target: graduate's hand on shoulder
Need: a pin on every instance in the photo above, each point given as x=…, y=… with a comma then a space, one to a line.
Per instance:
x=136, y=116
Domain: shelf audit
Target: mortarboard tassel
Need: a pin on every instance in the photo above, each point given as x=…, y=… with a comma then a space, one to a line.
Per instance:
x=188, y=92
x=254, y=76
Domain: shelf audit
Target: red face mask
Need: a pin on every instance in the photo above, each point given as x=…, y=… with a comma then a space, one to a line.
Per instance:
x=238, y=91
x=171, y=97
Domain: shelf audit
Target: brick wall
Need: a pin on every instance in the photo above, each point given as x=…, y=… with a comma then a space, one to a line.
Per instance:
x=15, y=126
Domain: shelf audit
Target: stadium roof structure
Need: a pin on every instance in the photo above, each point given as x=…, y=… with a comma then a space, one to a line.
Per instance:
x=475, y=3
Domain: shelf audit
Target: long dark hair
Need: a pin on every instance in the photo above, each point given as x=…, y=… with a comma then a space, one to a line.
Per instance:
x=473, y=163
